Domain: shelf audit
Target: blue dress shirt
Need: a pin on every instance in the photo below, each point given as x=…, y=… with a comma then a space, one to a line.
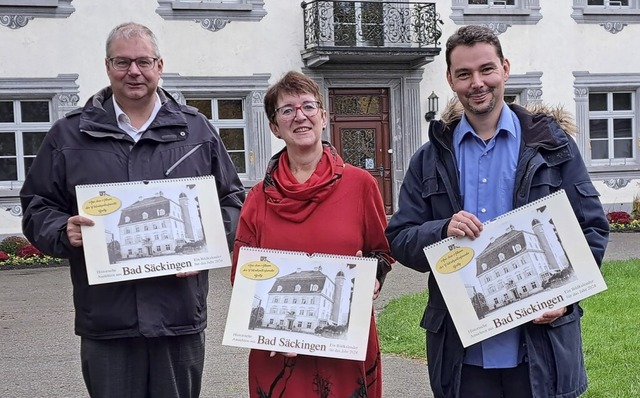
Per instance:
x=487, y=178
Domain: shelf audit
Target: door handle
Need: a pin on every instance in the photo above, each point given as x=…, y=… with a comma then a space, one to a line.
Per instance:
x=381, y=171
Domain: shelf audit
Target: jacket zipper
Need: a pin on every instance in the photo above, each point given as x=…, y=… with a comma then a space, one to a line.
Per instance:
x=182, y=159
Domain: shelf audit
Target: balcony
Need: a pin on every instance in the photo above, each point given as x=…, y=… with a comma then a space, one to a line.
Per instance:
x=401, y=34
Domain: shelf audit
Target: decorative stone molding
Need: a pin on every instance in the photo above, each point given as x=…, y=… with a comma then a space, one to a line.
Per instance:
x=213, y=24
x=16, y=14
x=497, y=27
x=617, y=183
x=67, y=100
x=14, y=210
x=613, y=27
x=15, y=21
x=528, y=86
x=212, y=15
x=257, y=97
x=611, y=17
x=497, y=18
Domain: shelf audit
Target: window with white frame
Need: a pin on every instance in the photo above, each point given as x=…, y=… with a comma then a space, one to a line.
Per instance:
x=607, y=117
x=612, y=15
x=234, y=106
x=493, y=3
x=28, y=108
x=23, y=125
x=229, y=117
x=611, y=125
x=15, y=14
x=212, y=15
x=498, y=15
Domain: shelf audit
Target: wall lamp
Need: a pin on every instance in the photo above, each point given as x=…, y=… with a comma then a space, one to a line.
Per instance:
x=433, y=107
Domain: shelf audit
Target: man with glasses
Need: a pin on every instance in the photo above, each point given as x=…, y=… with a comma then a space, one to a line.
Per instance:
x=142, y=338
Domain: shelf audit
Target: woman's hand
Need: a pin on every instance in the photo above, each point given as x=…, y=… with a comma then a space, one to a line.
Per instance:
x=376, y=287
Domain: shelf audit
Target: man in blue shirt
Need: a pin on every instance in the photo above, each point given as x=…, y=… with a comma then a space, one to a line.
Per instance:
x=482, y=160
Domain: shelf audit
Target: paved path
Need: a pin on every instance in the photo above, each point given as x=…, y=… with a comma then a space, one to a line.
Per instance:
x=39, y=354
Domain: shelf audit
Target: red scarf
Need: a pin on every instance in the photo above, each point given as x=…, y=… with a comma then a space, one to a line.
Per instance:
x=295, y=201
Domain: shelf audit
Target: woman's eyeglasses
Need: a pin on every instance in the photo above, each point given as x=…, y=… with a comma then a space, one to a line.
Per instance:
x=288, y=112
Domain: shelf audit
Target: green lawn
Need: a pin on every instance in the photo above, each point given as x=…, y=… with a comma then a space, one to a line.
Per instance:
x=609, y=330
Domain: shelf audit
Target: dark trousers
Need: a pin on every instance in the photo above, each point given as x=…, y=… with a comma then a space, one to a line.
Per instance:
x=139, y=367
x=478, y=382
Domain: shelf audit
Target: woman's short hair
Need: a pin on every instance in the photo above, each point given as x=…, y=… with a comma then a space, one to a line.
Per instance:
x=294, y=83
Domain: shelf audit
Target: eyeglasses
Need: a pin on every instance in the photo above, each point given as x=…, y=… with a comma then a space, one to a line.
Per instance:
x=123, y=63
x=288, y=112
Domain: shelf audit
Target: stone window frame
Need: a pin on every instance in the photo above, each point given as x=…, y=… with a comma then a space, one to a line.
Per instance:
x=497, y=18
x=613, y=19
x=528, y=87
x=605, y=82
x=15, y=14
x=213, y=15
x=252, y=89
x=61, y=90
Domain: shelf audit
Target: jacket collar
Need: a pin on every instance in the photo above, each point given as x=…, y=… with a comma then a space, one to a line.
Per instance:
x=543, y=127
x=98, y=118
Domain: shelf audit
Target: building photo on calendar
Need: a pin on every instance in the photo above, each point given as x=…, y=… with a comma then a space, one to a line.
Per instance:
x=151, y=228
x=524, y=263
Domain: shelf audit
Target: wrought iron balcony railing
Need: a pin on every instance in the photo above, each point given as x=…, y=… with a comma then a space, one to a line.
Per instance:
x=377, y=24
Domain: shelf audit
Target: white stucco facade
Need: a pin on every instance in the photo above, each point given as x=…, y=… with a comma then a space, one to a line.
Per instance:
x=546, y=51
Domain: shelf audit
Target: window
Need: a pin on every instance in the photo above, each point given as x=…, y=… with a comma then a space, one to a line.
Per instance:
x=611, y=121
x=28, y=108
x=498, y=15
x=612, y=15
x=23, y=126
x=228, y=117
x=607, y=117
x=17, y=13
x=235, y=108
x=358, y=24
x=212, y=15
x=492, y=3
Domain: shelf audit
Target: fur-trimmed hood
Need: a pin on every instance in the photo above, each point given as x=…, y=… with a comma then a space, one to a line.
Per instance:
x=454, y=110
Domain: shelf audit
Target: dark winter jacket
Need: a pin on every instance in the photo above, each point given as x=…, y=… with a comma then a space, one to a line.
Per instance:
x=549, y=161
x=87, y=147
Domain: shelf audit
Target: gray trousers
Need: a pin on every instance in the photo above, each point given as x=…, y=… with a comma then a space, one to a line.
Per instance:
x=139, y=367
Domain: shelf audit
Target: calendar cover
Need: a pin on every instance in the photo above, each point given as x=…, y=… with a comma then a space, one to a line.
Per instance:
x=151, y=228
x=525, y=262
x=293, y=302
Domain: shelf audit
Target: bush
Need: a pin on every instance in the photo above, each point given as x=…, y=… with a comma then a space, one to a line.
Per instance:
x=11, y=244
x=619, y=217
x=28, y=251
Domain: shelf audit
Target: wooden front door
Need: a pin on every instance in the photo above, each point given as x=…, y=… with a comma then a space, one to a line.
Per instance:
x=359, y=120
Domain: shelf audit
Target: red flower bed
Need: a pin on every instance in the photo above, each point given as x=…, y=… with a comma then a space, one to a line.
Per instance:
x=619, y=217
x=28, y=251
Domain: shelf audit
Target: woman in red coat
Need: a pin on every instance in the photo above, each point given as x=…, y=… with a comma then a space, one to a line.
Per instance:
x=311, y=201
